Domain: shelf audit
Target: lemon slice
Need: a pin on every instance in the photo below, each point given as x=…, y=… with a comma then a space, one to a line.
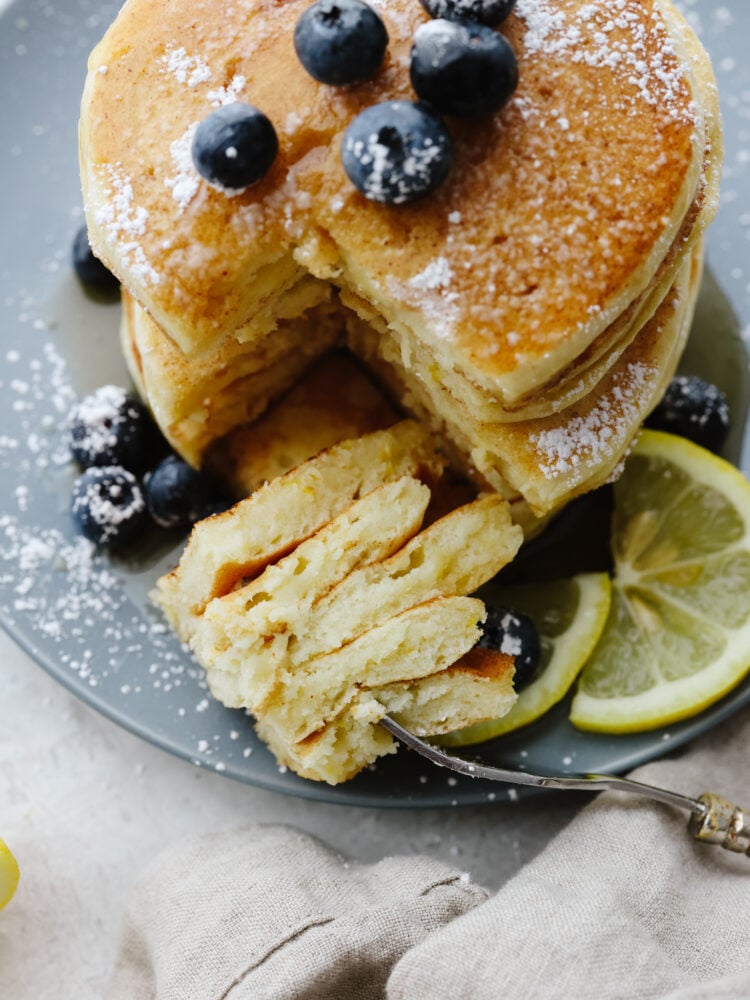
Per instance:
x=678, y=633
x=570, y=615
x=9, y=874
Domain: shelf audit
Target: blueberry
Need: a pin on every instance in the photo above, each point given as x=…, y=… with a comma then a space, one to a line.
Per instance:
x=108, y=506
x=462, y=69
x=340, y=41
x=513, y=632
x=89, y=268
x=482, y=11
x=396, y=151
x=695, y=409
x=234, y=146
x=113, y=427
x=177, y=495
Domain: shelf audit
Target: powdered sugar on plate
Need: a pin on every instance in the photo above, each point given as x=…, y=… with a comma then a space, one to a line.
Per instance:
x=86, y=615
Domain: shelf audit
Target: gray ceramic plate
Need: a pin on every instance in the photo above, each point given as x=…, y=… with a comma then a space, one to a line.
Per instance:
x=88, y=621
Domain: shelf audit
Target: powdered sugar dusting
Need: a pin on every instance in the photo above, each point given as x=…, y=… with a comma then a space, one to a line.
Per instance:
x=83, y=613
x=588, y=439
x=510, y=644
x=229, y=94
x=609, y=36
x=125, y=222
x=187, y=69
x=109, y=497
x=89, y=585
x=437, y=274
x=396, y=170
x=292, y=122
x=430, y=290
x=592, y=438
x=184, y=183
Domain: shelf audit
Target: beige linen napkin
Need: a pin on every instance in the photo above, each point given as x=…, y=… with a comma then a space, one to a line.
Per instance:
x=269, y=913
x=622, y=904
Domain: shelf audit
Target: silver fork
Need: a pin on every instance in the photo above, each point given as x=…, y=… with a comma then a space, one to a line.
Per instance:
x=713, y=819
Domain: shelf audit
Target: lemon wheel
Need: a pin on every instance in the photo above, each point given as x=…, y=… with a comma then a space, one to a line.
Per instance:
x=677, y=637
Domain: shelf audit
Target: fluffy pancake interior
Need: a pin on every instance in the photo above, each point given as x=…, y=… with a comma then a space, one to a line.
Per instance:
x=353, y=598
x=476, y=686
x=451, y=557
x=227, y=548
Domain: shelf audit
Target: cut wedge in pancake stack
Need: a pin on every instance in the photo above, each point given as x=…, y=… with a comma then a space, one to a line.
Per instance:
x=531, y=311
x=197, y=400
x=322, y=602
x=334, y=400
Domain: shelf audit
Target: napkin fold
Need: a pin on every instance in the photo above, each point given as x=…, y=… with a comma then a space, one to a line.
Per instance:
x=269, y=913
x=621, y=904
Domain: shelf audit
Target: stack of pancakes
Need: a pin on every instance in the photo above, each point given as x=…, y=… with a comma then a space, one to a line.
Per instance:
x=322, y=601
x=531, y=311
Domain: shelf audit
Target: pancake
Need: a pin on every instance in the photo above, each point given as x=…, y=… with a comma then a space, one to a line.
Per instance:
x=479, y=684
x=265, y=636
x=418, y=642
x=336, y=399
x=246, y=633
x=197, y=400
x=506, y=457
x=529, y=313
x=334, y=601
x=590, y=171
x=548, y=461
x=236, y=546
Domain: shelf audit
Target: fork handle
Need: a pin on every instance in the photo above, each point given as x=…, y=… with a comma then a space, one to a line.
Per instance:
x=722, y=823
x=713, y=819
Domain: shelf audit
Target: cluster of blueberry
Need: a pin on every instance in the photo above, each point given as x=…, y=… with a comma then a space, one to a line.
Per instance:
x=113, y=438
x=394, y=151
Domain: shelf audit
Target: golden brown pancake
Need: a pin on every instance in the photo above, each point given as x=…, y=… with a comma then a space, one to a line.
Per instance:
x=479, y=684
x=557, y=214
x=336, y=603
x=548, y=461
x=336, y=400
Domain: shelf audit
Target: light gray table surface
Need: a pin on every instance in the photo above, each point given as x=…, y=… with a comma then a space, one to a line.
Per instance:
x=85, y=804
